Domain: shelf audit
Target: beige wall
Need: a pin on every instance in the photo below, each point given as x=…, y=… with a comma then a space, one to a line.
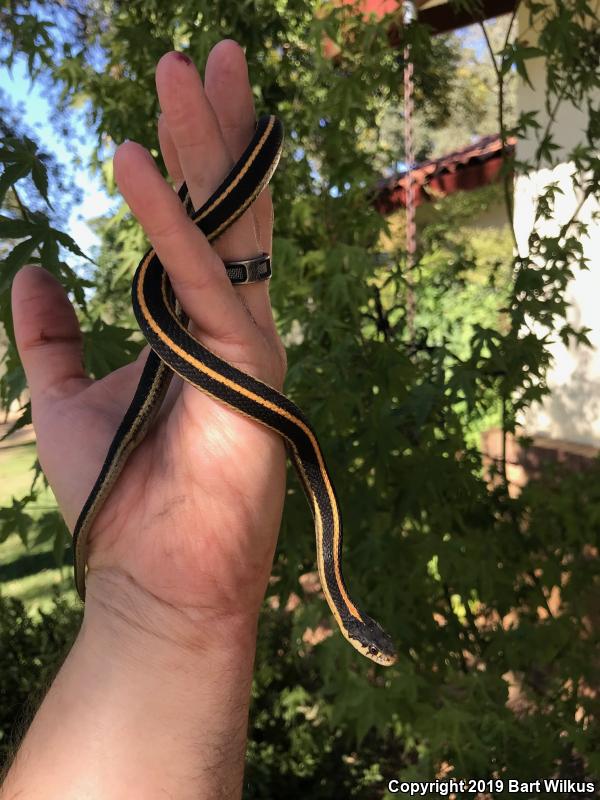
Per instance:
x=572, y=412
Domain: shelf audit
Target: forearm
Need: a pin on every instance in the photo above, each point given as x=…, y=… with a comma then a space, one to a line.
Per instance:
x=151, y=702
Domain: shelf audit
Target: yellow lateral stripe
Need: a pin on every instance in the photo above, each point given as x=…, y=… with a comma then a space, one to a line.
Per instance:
x=242, y=172
x=298, y=462
x=108, y=483
x=320, y=559
x=240, y=210
x=257, y=399
x=332, y=502
x=238, y=213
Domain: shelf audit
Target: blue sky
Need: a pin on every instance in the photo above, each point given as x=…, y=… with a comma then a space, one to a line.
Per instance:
x=37, y=113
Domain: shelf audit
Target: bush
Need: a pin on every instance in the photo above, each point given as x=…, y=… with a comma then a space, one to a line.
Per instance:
x=31, y=652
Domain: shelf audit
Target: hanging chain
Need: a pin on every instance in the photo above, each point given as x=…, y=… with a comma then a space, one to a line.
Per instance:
x=409, y=13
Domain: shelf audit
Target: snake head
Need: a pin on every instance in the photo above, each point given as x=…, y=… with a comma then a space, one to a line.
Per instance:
x=369, y=638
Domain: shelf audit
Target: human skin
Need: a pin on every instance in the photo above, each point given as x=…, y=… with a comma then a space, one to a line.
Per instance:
x=152, y=701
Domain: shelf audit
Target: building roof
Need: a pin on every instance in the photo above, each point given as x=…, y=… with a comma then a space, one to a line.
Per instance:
x=444, y=16
x=472, y=167
x=441, y=15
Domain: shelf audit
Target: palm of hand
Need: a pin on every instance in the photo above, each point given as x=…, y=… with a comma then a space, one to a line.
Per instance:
x=194, y=516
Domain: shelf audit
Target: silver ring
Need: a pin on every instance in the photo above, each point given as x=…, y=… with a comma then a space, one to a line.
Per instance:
x=249, y=270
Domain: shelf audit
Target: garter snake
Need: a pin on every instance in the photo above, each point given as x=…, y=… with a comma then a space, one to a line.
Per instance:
x=175, y=351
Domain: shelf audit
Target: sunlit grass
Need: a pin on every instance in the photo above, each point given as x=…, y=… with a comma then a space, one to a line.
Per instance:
x=16, y=470
x=28, y=573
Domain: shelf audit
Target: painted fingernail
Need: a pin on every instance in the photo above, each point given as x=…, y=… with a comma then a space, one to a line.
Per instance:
x=184, y=58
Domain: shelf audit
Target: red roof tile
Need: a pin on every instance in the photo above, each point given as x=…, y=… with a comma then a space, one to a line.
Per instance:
x=472, y=167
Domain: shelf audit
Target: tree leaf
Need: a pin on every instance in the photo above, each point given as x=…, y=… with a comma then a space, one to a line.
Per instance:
x=11, y=175
x=39, y=175
x=18, y=257
x=15, y=228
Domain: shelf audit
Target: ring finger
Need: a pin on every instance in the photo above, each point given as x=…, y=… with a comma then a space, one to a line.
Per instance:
x=191, y=136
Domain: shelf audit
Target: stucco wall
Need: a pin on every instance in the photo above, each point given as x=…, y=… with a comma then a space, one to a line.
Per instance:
x=572, y=412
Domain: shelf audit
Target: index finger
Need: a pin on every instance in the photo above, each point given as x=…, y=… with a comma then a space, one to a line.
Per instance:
x=195, y=271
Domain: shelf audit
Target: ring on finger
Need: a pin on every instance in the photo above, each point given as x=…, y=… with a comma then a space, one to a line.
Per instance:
x=249, y=270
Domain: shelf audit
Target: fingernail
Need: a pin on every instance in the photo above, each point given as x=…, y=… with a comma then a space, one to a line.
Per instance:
x=184, y=58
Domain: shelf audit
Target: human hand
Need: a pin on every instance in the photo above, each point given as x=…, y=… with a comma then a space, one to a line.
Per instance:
x=193, y=518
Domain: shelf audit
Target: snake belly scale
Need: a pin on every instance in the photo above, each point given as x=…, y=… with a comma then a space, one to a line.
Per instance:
x=175, y=351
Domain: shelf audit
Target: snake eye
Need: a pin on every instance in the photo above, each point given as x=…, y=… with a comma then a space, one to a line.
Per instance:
x=373, y=650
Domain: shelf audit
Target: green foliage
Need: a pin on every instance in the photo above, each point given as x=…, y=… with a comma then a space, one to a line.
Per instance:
x=31, y=651
x=20, y=158
x=491, y=679
x=300, y=743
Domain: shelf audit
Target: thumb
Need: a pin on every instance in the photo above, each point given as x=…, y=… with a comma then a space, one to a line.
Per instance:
x=48, y=336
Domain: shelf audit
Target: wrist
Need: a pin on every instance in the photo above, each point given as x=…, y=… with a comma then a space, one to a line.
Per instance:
x=153, y=700
x=180, y=678
x=132, y=620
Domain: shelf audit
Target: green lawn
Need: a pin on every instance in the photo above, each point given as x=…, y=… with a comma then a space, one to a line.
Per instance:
x=28, y=573
x=15, y=470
